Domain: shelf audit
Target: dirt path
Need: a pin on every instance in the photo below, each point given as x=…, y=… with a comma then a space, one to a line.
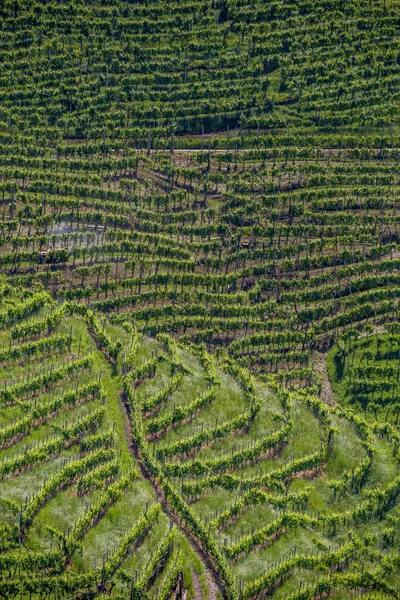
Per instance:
x=198, y=594
x=318, y=360
x=213, y=580
x=211, y=585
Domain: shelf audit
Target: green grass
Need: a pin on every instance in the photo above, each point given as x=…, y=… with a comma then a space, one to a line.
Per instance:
x=308, y=435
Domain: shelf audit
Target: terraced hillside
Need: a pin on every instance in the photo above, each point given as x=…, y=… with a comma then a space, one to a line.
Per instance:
x=77, y=515
x=209, y=483
x=225, y=171
x=364, y=370
x=200, y=276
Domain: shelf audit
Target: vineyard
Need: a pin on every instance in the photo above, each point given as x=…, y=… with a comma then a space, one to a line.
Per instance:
x=199, y=299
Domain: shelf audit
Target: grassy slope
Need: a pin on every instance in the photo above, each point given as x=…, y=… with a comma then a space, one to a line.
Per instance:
x=345, y=454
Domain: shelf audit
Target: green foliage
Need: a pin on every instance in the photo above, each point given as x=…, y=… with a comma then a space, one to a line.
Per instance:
x=198, y=200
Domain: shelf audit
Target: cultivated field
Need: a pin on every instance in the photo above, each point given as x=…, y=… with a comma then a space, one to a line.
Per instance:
x=200, y=277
